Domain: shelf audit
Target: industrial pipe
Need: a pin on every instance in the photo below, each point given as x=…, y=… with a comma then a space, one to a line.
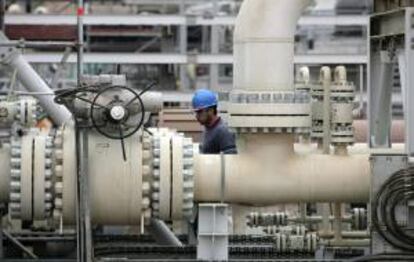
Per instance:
x=264, y=44
x=268, y=172
x=304, y=75
x=347, y=242
x=345, y=234
x=153, y=101
x=326, y=80
x=33, y=83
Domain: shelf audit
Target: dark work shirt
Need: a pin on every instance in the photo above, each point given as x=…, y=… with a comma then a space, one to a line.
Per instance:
x=218, y=139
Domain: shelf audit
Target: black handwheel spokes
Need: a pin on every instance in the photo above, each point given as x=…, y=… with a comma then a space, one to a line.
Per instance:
x=121, y=135
x=146, y=89
x=122, y=120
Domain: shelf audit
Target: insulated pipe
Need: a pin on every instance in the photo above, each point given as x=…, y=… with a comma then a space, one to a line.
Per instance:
x=152, y=101
x=269, y=173
x=33, y=83
x=264, y=44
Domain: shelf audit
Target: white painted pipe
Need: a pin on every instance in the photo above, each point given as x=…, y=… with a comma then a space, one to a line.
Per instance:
x=152, y=101
x=34, y=83
x=267, y=171
x=264, y=44
x=304, y=75
x=326, y=80
x=340, y=74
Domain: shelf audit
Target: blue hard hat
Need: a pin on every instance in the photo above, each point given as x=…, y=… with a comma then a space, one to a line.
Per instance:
x=203, y=99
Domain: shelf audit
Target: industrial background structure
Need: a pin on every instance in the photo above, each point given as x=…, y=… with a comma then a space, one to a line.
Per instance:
x=99, y=146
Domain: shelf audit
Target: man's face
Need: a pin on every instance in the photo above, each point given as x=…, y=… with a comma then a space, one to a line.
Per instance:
x=203, y=116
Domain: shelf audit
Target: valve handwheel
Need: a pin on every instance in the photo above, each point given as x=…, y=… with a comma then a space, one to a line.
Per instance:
x=117, y=112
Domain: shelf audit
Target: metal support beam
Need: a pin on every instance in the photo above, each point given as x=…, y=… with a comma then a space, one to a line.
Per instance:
x=170, y=20
x=162, y=234
x=214, y=40
x=213, y=232
x=183, y=42
x=170, y=58
x=80, y=40
x=60, y=68
x=380, y=113
x=326, y=84
x=19, y=245
x=361, y=90
x=408, y=84
x=36, y=44
x=84, y=229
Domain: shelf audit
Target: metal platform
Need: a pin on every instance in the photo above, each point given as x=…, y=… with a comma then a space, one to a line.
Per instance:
x=134, y=58
x=168, y=20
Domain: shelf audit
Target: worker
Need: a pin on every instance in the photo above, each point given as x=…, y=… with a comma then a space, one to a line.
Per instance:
x=216, y=138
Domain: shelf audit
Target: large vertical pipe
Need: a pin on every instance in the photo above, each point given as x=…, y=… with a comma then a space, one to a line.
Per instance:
x=264, y=44
x=326, y=79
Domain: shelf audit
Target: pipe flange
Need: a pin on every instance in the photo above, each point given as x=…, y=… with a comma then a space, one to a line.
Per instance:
x=155, y=183
x=286, y=97
x=188, y=177
x=271, y=130
x=26, y=112
x=58, y=171
x=48, y=176
x=147, y=167
x=293, y=107
x=15, y=181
